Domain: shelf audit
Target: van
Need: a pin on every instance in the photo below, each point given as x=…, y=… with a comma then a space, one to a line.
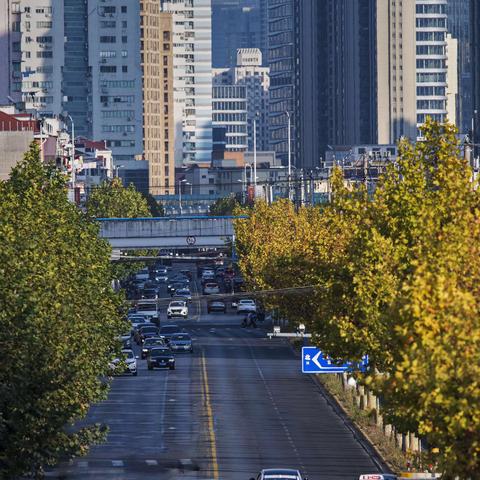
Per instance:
x=149, y=309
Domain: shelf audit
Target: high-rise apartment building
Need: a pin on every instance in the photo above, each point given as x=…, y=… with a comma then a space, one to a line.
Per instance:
x=237, y=24
x=32, y=44
x=230, y=114
x=282, y=37
x=157, y=70
x=431, y=60
x=116, y=73
x=396, y=70
x=458, y=18
x=475, y=57
x=76, y=80
x=249, y=73
x=192, y=63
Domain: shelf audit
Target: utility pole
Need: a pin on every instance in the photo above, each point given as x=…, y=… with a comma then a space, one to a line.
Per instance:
x=255, y=153
x=365, y=170
x=289, y=156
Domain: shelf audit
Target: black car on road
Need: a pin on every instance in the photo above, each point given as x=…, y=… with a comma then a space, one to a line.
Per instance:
x=150, y=343
x=216, y=306
x=160, y=357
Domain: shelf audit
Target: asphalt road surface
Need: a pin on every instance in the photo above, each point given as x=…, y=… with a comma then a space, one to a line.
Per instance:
x=238, y=404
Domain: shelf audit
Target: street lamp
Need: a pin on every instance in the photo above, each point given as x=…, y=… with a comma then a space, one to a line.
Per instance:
x=73, y=153
x=289, y=154
x=180, y=194
x=255, y=151
x=116, y=167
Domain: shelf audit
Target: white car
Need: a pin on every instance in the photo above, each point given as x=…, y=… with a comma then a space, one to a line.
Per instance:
x=378, y=476
x=211, y=289
x=142, y=274
x=279, y=474
x=129, y=362
x=177, y=308
x=148, y=308
x=246, y=305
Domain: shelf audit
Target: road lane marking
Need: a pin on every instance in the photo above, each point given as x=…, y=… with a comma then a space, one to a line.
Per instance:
x=117, y=463
x=151, y=463
x=211, y=431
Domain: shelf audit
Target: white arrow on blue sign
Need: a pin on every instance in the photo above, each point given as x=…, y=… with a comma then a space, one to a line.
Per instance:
x=314, y=361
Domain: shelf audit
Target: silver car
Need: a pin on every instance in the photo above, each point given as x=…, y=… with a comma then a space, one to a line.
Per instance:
x=279, y=474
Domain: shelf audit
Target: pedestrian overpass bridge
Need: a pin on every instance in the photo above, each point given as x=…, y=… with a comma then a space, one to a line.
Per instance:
x=167, y=232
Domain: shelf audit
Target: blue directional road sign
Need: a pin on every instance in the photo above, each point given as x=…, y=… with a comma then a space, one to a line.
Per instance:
x=314, y=361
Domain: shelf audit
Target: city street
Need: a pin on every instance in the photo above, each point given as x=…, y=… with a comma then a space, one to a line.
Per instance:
x=238, y=404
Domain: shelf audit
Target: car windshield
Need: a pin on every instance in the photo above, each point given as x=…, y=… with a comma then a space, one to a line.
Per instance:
x=158, y=352
x=153, y=341
x=147, y=307
x=177, y=304
x=180, y=337
x=149, y=329
x=211, y=285
x=249, y=302
x=183, y=290
x=128, y=354
x=171, y=329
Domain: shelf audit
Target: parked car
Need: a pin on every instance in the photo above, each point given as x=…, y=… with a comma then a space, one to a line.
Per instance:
x=168, y=330
x=216, y=306
x=160, y=357
x=126, y=364
x=177, y=308
x=150, y=343
x=180, y=342
x=183, y=293
x=211, y=288
x=145, y=332
x=246, y=305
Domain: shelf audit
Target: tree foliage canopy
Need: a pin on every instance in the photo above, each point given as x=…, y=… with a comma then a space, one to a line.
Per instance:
x=224, y=206
x=396, y=276
x=112, y=200
x=59, y=319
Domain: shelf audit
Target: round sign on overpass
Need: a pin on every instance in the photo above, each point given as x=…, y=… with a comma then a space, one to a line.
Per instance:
x=191, y=241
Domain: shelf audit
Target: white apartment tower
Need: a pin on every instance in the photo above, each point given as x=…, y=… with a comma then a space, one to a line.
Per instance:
x=256, y=80
x=116, y=76
x=192, y=63
x=32, y=52
x=431, y=60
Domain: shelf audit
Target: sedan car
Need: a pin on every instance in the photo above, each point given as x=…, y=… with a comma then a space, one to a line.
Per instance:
x=126, y=339
x=180, y=342
x=160, y=357
x=168, y=330
x=279, y=474
x=183, y=293
x=171, y=287
x=378, y=476
x=246, y=305
x=126, y=364
x=211, y=288
x=145, y=332
x=216, y=306
x=150, y=343
x=178, y=308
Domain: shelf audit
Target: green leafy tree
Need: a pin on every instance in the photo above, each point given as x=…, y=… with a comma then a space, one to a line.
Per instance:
x=59, y=319
x=396, y=276
x=156, y=208
x=224, y=206
x=112, y=200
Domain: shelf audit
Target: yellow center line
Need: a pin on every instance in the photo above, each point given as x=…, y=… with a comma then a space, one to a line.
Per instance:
x=211, y=431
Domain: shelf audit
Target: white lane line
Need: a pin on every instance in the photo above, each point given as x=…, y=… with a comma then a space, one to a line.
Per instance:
x=117, y=463
x=151, y=463
x=82, y=464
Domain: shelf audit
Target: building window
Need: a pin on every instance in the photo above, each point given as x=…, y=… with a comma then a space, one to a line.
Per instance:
x=124, y=68
x=44, y=24
x=45, y=54
x=108, y=69
x=124, y=39
x=124, y=24
x=108, y=39
x=124, y=9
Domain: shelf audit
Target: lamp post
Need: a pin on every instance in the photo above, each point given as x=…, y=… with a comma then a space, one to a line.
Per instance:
x=180, y=194
x=255, y=151
x=289, y=155
x=72, y=158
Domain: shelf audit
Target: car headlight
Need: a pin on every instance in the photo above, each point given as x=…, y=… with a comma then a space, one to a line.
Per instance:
x=171, y=359
x=144, y=350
